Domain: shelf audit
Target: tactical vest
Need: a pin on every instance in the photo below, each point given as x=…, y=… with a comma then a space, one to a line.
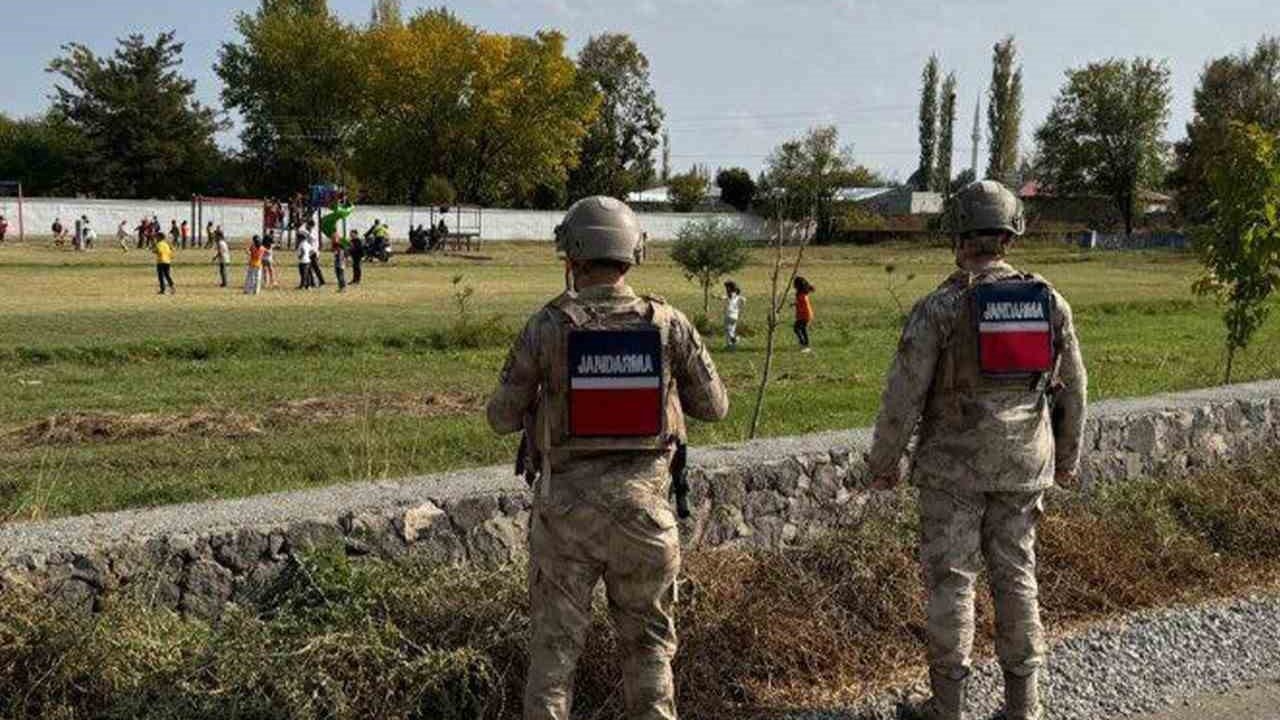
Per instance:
x=1003, y=337
x=610, y=384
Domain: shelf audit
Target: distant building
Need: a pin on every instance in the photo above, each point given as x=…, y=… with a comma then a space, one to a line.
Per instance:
x=1093, y=211
x=661, y=195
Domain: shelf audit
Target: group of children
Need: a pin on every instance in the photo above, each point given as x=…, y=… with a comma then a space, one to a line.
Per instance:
x=84, y=236
x=260, y=270
x=734, y=301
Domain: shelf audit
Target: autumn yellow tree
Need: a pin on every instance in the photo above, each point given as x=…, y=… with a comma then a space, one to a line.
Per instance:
x=497, y=115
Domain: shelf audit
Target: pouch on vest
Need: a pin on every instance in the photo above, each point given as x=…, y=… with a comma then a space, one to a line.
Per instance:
x=616, y=383
x=1015, y=331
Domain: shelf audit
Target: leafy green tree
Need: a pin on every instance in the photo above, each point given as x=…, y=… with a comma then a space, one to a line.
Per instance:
x=707, y=250
x=688, y=190
x=736, y=188
x=1236, y=88
x=617, y=153
x=43, y=153
x=946, y=137
x=144, y=133
x=1004, y=111
x=802, y=176
x=295, y=75
x=1105, y=132
x=923, y=177
x=1240, y=249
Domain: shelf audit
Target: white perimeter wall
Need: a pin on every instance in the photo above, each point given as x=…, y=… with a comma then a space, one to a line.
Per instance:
x=240, y=221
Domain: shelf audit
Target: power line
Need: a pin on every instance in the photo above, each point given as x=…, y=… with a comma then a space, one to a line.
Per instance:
x=795, y=114
x=959, y=151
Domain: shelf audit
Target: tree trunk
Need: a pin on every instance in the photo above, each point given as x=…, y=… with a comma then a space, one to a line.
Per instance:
x=771, y=333
x=770, y=340
x=706, y=298
x=777, y=298
x=1231, y=357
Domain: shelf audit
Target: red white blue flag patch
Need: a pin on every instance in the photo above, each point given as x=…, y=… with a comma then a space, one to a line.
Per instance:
x=1015, y=336
x=615, y=383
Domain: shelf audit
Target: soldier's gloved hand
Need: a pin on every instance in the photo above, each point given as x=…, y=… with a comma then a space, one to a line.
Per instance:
x=1067, y=479
x=884, y=482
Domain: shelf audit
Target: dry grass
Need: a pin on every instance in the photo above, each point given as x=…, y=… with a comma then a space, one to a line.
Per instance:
x=810, y=627
x=73, y=428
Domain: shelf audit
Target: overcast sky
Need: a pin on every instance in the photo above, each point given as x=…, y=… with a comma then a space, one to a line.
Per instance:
x=738, y=77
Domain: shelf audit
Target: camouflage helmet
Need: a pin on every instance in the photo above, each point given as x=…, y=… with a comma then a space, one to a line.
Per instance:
x=987, y=205
x=600, y=228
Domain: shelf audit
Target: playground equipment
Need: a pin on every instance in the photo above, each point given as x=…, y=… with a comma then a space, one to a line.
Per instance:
x=9, y=189
x=328, y=197
x=338, y=214
x=221, y=211
x=463, y=224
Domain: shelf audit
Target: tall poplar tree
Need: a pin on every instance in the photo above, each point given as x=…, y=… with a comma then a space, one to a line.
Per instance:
x=946, y=137
x=923, y=176
x=1004, y=111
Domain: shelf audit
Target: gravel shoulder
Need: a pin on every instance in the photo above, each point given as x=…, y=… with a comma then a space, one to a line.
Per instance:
x=1253, y=701
x=1219, y=659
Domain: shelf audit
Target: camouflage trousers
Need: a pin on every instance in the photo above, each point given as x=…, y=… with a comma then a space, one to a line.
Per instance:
x=958, y=531
x=638, y=559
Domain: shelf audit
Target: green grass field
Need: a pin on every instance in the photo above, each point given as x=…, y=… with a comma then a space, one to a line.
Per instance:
x=115, y=397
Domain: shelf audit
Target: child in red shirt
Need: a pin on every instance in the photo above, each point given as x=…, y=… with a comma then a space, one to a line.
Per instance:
x=804, y=312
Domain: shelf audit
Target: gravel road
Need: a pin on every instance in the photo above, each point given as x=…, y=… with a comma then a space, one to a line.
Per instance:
x=1149, y=664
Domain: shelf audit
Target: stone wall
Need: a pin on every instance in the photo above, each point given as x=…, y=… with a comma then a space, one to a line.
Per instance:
x=196, y=557
x=243, y=221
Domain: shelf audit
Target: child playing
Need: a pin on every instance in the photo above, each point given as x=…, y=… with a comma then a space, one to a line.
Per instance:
x=268, y=261
x=223, y=258
x=122, y=235
x=305, y=281
x=164, y=262
x=253, y=276
x=733, y=303
x=804, y=312
x=338, y=244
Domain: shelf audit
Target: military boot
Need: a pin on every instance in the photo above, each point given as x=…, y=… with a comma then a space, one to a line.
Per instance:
x=948, y=698
x=1022, y=697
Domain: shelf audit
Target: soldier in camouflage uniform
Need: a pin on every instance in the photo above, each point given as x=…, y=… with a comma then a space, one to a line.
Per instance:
x=992, y=435
x=601, y=506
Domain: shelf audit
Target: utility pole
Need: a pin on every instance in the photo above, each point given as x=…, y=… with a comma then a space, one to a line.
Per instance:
x=976, y=137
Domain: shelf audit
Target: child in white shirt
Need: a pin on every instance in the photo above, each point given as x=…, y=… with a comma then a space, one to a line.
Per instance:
x=733, y=304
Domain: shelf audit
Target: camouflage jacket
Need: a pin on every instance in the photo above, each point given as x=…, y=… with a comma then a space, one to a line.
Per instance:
x=616, y=480
x=984, y=436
